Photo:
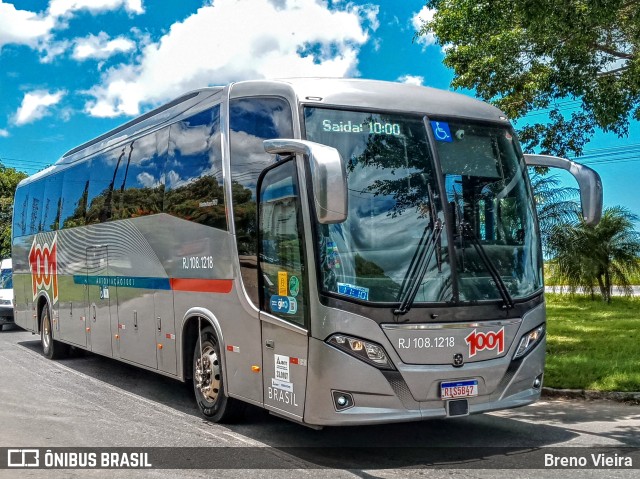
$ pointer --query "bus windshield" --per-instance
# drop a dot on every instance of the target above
(397, 209)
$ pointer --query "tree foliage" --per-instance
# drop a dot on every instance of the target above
(597, 257)
(9, 179)
(525, 55)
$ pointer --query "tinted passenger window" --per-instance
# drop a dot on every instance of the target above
(20, 211)
(144, 176)
(34, 210)
(75, 189)
(195, 189)
(99, 195)
(252, 120)
(51, 203)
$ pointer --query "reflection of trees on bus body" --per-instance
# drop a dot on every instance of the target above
(176, 170)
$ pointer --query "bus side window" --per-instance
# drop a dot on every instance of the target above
(252, 120)
(20, 211)
(34, 211)
(195, 187)
(143, 180)
(98, 196)
(281, 244)
(75, 189)
(51, 203)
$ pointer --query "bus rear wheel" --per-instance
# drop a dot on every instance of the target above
(208, 381)
(51, 348)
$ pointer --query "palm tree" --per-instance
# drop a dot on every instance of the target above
(555, 204)
(604, 255)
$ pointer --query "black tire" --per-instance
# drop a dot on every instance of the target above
(208, 382)
(51, 348)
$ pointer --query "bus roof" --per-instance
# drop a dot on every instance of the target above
(358, 93)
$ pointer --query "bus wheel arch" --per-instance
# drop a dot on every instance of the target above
(193, 318)
(51, 348)
(204, 369)
(42, 302)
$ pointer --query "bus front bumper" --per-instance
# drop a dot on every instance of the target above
(412, 392)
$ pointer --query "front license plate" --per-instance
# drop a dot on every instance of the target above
(459, 389)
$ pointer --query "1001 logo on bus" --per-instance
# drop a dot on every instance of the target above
(479, 341)
(43, 264)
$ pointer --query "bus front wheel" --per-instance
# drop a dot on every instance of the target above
(208, 381)
(51, 348)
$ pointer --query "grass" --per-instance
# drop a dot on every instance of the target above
(550, 280)
(593, 345)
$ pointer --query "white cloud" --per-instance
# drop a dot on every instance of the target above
(23, 27)
(412, 79)
(100, 47)
(61, 8)
(424, 15)
(147, 180)
(229, 40)
(50, 50)
(35, 105)
(4, 133)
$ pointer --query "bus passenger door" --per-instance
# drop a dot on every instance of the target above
(100, 292)
(284, 308)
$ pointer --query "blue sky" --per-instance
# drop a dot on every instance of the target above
(72, 69)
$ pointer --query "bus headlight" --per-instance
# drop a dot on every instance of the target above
(529, 340)
(367, 351)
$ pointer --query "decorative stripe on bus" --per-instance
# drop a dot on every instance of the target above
(202, 285)
(196, 285)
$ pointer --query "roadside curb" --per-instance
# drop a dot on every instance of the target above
(627, 397)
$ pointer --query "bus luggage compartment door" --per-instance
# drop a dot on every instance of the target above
(100, 292)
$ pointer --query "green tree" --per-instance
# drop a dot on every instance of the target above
(9, 179)
(525, 55)
(604, 255)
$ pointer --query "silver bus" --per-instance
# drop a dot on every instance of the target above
(335, 251)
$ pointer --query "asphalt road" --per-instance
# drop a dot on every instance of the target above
(91, 401)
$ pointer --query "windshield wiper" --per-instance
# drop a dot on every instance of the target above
(466, 229)
(418, 267)
(428, 245)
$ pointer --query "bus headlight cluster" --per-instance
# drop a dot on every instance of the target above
(529, 340)
(367, 351)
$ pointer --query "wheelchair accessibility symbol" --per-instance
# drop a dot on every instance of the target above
(441, 131)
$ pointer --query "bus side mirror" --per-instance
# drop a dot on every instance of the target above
(588, 180)
(328, 176)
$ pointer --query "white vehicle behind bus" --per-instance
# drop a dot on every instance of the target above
(6, 293)
(336, 251)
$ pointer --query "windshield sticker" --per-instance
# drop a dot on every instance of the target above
(333, 258)
(441, 131)
(354, 291)
(294, 286)
(283, 283)
(284, 304)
